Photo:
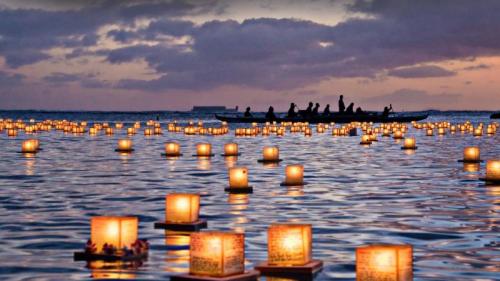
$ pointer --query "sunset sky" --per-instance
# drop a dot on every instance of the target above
(170, 55)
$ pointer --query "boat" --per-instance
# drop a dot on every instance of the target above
(495, 115)
(336, 118)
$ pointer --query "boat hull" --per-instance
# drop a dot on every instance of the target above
(495, 115)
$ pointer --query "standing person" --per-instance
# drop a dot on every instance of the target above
(291, 111)
(326, 111)
(341, 104)
(270, 114)
(247, 112)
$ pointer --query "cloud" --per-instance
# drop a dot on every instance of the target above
(58, 77)
(424, 71)
(477, 67)
(11, 80)
(413, 99)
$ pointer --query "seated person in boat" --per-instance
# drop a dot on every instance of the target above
(247, 112)
(326, 111)
(387, 110)
(315, 111)
(270, 114)
(341, 104)
(350, 109)
(359, 110)
(291, 111)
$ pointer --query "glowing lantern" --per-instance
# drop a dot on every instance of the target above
(130, 131)
(441, 131)
(124, 145)
(384, 263)
(172, 149)
(109, 131)
(148, 132)
(11, 132)
(231, 149)
(119, 232)
(294, 175)
(238, 177)
(217, 254)
(365, 139)
(271, 153)
(493, 170)
(289, 244)
(471, 154)
(182, 208)
(398, 135)
(478, 132)
(386, 133)
(429, 132)
(29, 146)
(409, 143)
(204, 149)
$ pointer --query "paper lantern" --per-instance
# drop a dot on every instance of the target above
(410, 143)
(217, 254)
(130, 131)
(238, 177)
(204, 149)
(148, 132)
(471, 154)
(398, 135)
(384, 263)
(493, 170)
(109, 131)
(441, 131)
(172, 149)
(294, 175)
(429, 132)
(289, 244)
(182, 208)
(231, 149)
(29, 146)
(271, 153)
(478, 132)
(114, 231)
(365, 139)
(11, 132)
(124, 145)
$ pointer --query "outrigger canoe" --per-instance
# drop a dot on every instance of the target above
(337, 118)
(495, 115)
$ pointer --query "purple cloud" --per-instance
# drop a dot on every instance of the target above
(424, 71)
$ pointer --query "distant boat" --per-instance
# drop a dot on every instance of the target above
(495, 115)
(337, 118)
(213, 109)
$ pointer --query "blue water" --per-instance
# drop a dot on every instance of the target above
(355, 195)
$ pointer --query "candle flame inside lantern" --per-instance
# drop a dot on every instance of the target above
(172, 149)
(271, 153)
(182, 208)
(238, 177)
(289, 244)
(384, 262)
(204, 149)
(493, 170)
(294, 175)
(231, 149)
(125, 144)
(471, 154)
(116, 231)
(217, 254)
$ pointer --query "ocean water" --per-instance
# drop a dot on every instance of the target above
(355, 195)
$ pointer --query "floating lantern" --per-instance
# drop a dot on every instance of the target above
(11, 132)
(125, 145)
(493, 171)
(29, 146)
(182, 213)
(478, 132)
(217, 254)
(384, 263)
(238, 180)
(471, 154)
(365, 139)
(204, 150)
(270, 154)
(398, 135)
(148, 132)
(130, 131)
(231, 149)
(172, 149)
(441, 131)
(109, 131)
(409, 143)
(386, 133)
(290, 251)
(429, 132)
(294, 175)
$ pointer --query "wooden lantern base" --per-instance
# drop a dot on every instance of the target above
(490, 182)
(23, 152)
(231, 155)
(203, 156)
(409, 148)
(171, 155)
(251, 275)
(269, 161)
(124, 150)
(308, 270)
(365, 143)
(195, 226)
(287, 184)
(239, 190)
(83, 256)
(470, 161)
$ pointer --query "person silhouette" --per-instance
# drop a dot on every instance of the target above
(247, 112)
(315, 110)
(326, 111)
(350, 108)
(291, 111)
(270, 113)
(341, 104)
(309, 109)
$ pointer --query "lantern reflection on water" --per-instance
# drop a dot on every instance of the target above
(384, 263)
(217, 254)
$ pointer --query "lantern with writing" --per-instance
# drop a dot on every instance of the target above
(172, 149)
(231, 149)
(117, 232)
(471, 154)
(384, 263)
(409, 143)
(204, 150)
(124, 145)
(294, 175)
(289, 244)
(217, 254)
(493, 171)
